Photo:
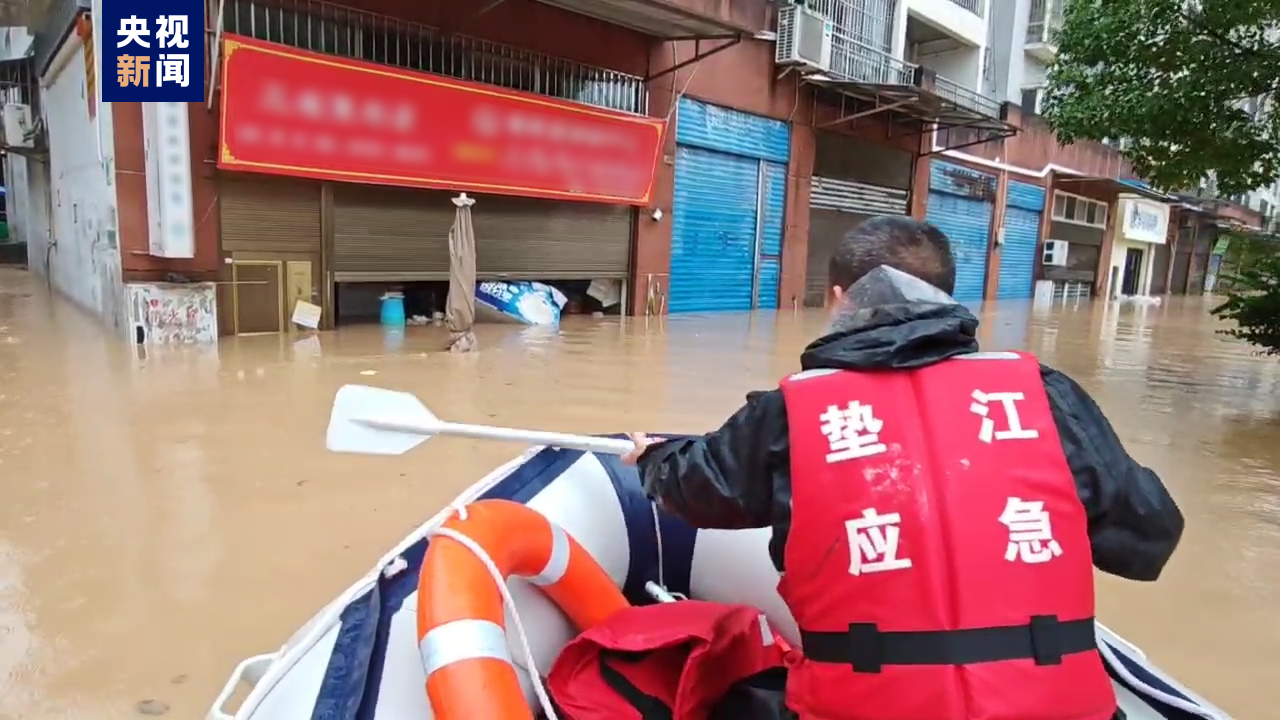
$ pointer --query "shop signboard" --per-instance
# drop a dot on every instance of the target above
(293, 112)
(1144, 221)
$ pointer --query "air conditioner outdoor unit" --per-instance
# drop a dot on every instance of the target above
(18, 130)
(804, 39)
(1055, 253)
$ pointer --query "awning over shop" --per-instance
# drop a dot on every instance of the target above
(919, 94)
(657, 18)
(1094, 186)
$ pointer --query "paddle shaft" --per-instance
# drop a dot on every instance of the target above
(608, 446)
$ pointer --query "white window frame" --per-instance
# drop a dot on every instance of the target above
(1039, 90)
(1047, 255)
(1082, 203)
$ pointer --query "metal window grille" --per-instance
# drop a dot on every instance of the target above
(336, 30)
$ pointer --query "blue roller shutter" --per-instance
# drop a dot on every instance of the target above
(960, 206)
(713, 231)
(727, 214)
(1024, 204)
(773, 205)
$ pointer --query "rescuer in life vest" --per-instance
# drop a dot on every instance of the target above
(936, 511)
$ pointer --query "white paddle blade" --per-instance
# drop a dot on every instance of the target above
(376, 421)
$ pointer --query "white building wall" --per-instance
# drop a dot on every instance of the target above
(27, 202)
(15, 42)
(84, 260)
(963, 65)
(950, 17)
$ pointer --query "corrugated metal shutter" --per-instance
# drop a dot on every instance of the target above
(395, 233)
(960, 206)
(1200, 260)
(1182, 260)
(390, 233)
(727, 218)
(1160, 270)
(851, 196)
(712, 127)
(826, 228)
(535, 239)
(773, 205)
(713, 231)
(1023, 207)
(268, 215)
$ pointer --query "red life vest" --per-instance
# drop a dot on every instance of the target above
(671, 661)
(938, 565)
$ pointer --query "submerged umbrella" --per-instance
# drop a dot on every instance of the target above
(460, 313)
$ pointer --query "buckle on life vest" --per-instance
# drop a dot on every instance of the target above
(1045, 639)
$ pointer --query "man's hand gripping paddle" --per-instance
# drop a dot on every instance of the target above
(376, 421)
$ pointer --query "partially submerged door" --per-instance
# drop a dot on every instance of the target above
(1132, 271)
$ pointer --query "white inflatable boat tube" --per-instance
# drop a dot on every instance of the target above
(358, 658)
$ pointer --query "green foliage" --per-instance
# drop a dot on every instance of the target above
(1253, 300)
(1169, 76)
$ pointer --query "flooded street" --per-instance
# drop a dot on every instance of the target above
(164, 516)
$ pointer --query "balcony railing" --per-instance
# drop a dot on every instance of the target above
(336, 30)
(851, 60)
(860, 43)
(973, 6)
(964, 97)
(1045, 18)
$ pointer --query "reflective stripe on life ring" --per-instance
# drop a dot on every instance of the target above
(461, 634)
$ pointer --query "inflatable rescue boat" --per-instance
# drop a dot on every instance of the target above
(359, 658)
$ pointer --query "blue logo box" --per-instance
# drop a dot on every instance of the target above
(152, 51)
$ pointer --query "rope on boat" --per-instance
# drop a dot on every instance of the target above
(507, 600)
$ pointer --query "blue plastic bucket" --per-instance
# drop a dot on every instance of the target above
(393, 309)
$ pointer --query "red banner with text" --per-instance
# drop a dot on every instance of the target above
(293, 112)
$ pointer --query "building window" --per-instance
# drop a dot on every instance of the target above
(1079, 210)
(1032, 100)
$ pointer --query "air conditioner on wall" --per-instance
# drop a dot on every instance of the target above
(18, 130)
(1055, 253)
(804, 39)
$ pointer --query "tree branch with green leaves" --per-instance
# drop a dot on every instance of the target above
(1169, 77)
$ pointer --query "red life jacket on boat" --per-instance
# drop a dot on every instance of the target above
(938, 564)
(671, 661)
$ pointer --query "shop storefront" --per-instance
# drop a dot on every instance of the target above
(1020, 233)
(727, 212)
(1073, 248)
(1142, 228)
(961, 205)
(336, 178)
(852, 180)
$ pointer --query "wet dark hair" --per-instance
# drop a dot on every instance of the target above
(914, 247)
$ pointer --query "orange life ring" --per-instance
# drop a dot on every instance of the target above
(461, 634)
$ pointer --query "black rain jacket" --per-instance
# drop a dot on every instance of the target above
(740, 475)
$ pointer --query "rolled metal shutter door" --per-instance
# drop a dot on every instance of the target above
(395, 233)
(383, 233)
(269, 216)
(836, 207)
(526, 238)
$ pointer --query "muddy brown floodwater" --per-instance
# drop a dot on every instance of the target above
(163, 516)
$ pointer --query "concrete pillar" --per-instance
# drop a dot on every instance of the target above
(997, 226)
(1171, 241)
(795, 238)
(651, 256)
(920, 178)
(1046, 220)
(1102, 277)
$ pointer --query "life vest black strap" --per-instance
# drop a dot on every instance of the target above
(649, 707)
(864, 646)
